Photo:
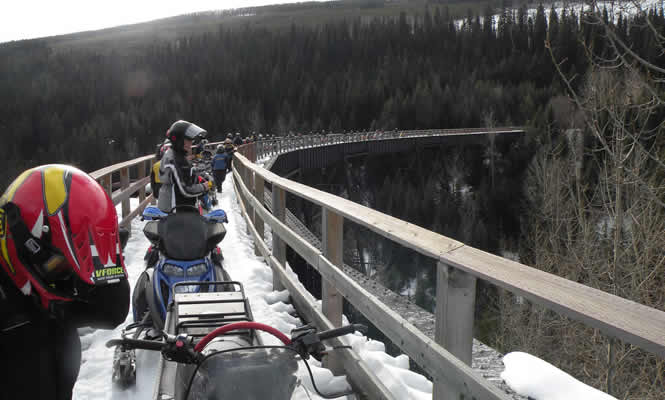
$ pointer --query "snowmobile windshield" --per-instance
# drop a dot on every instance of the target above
(244, 374)
(188, 236)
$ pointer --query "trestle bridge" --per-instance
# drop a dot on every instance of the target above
(441, 348)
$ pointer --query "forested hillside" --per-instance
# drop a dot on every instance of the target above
(93, 106)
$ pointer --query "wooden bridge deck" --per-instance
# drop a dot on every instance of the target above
(486, 361)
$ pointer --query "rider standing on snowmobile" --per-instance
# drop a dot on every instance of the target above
(220, 164)
(61, 268)
(179, 182)
(155, 182)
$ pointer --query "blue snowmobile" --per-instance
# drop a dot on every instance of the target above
(183, 249)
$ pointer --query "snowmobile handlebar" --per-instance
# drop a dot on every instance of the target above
(344, 330)
(136, 344)
(305, 340)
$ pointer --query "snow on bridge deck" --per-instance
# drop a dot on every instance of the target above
(268, 306)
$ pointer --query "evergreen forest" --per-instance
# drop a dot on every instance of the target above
(96, 107)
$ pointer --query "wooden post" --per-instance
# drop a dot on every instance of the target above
(333, 249)
(249, 182)
(455, 303)
(141, 175)
(238, 167)
(258, 222)
(278, 245)
(106, 184)
(124, 184)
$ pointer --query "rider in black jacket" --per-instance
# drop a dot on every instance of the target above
(180, 184)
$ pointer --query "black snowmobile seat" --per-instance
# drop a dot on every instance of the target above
(189, 236)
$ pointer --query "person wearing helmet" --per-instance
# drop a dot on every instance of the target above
(61, 268)
(202, 146)
(237, 141)
(220, 164)
(179, 182)
(155, 182)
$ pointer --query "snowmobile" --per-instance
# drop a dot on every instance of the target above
(210, 349)
(183, 248)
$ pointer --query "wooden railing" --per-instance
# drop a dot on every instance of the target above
(448, 358)
(122, 173)
(264, 148)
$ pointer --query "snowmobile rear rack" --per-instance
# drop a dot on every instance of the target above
(197, 314)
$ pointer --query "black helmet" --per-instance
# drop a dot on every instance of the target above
(181, 130)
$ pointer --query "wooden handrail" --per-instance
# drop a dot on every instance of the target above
(100, 173)
(438, 362)
(105, 178)
(626, 320)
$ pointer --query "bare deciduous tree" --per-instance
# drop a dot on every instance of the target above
(604, 224)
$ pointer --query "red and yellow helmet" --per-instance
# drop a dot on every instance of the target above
(59, 234)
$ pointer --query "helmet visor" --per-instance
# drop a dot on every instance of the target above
(194, 131)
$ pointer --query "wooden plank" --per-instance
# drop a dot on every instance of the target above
(124, 194)
(434, 359)
(127, 221)
(248, 181)
(116, 167)
(332, 226)
(124, 184)
(258, 194)
(623, 319)
(141, 174)
(455, 307)
(278, 245)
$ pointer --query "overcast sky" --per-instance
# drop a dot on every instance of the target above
(27, 19)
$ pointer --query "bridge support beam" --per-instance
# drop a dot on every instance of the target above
(278, 245)
(332, 301)
(258, 222)
(455, 304)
